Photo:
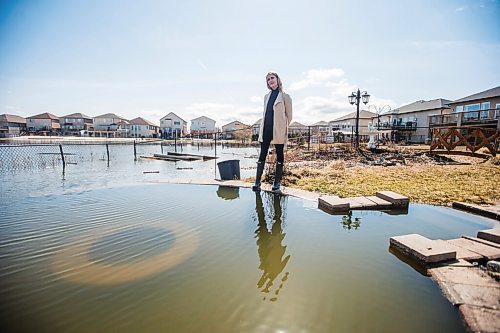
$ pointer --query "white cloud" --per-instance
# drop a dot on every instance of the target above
(256, 99)
(315, 77)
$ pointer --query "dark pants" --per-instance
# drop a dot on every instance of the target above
(264, 148)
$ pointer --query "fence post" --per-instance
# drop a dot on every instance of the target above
(62, 156)
(135, 150)
(107, 151)
(175, 142)
(161, 145)
(308, 137)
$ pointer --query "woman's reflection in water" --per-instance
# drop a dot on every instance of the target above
(269, 246)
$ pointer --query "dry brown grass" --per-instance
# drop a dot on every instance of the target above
(433, 184)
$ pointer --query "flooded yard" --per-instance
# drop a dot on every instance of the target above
(103, 248)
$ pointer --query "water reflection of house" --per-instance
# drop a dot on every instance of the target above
(142, 128)
(44, 123)
(202, 127)
(11, 125)
(110, 125)
(345, 126)
(478, 110)
(410, 123)
(75, 123)
(235, 129)
(172, 126)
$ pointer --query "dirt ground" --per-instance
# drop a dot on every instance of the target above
(411, 171)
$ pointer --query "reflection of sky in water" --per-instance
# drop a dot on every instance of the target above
(263, 262)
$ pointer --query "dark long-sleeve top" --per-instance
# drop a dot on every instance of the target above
(269, 117)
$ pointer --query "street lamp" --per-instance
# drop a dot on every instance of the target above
(354, 98)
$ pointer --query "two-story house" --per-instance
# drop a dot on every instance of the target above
(410, 123)
(75, 124)
(110, 125)
(173, 126)
(142, 128)
(345, 126)
(202, 127)
(44, 122)
(235, 129)
(11, 125)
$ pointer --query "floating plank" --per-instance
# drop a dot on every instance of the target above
(492, 235)
(178, 158)
(395, 198)
(425, 250)
(484, 251)
(171, 159)
(200, 157)
(381, 203)
(333, 204)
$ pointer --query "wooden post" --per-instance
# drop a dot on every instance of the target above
(62, 157)
(135, 151)
(107, 151)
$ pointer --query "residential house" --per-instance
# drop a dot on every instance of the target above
(202, 127)
(173, 126)
(322, 131)
(142, 128)
(76, 124)
(345, 127)
(297, 129)
(11, 125)
(44, 122)
(410, 123)
(256, 129)
(110, 125)
(480, 109)
(235, 129)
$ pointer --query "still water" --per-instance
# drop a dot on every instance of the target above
(134, 257)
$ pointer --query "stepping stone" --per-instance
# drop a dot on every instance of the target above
(333, 204)
(361, 203)
(484, 251)
(381, 203)
(483, 241)
(424, 249)
(462, 252)
(395, 198)
(492, 235)
(479, 319)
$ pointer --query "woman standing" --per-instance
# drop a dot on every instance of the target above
(274, 128)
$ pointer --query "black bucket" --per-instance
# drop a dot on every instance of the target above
(229, 170)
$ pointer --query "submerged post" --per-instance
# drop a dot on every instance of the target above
(135, 151)
(62, 157)
(107, 151)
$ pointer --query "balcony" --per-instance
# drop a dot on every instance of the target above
(479, 117)
(398, 126)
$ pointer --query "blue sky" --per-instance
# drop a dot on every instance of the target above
(194, 58)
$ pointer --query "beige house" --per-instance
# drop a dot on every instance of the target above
(256, 129)
(235, 129)
(142, 128)
(110, 125)
(297, 129)
(481, 109)
(202, 127)
(346, 125)
(172, 126)
(44, 122)
(410, 123)
(11, 125)
(76, 124)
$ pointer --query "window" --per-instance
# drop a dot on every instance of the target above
(497, 110)
(472, 107)
(177, 122)
(459, 108)
(485, 110)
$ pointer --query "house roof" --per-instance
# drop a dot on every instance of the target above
(352, 115)
(77, 115)
(296, 124)
(320, 123)
(421, 105)
(236, 122)
(174, 115)
(109, 115)
(202, 118)
(257, 122)
(11, 118)
(493, 92)
(44, 115)
(141, 121)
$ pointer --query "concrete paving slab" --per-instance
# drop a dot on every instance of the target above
(491, 211)
(425, 250)
(479, 319)
(485, 251)
(381, 203)
(395, 198)
(333, 204)
(303, 194)
(462, 275)
(483, 241)
(463, 253)
(492, 235)
(458, 294)
(361, 203)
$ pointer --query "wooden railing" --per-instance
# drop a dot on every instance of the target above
(473, 138)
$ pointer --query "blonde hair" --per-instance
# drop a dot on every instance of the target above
(280, 85)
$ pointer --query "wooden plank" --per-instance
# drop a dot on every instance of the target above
(333, 204)
(425, 250)
(492, 235)
(484, 251)
(395, 198)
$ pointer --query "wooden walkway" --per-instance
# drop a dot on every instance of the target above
(476, 292)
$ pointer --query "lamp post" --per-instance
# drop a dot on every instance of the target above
(354, 98)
